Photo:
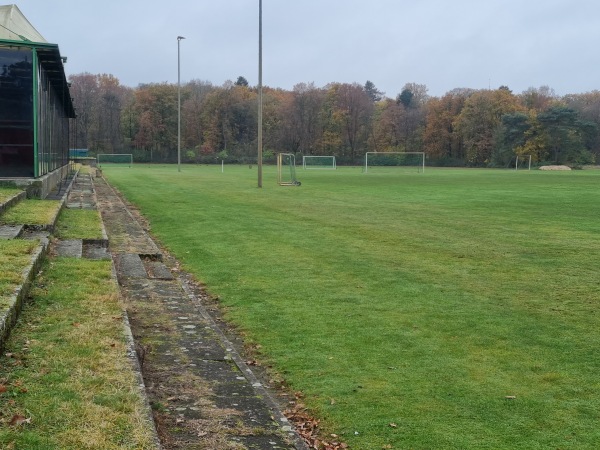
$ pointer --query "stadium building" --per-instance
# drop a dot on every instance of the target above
(35, 107)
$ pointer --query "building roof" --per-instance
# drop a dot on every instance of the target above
(14, 26)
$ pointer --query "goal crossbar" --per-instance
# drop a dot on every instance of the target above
(420, 154)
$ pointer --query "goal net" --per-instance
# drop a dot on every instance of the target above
(391, 161)
(115, 159)
(523, 162)
(318, 162)
(286, 170)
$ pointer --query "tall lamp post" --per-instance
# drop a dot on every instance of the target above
(179, 38)
(260, 95)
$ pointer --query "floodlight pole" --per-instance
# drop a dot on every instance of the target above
(260, 95)
(179, 38)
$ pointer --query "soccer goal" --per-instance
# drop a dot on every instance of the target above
(412, 161)
(286, 170)
(318, 162)
(115, 159)
(523, 162)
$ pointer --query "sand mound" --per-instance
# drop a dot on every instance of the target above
(555, 168)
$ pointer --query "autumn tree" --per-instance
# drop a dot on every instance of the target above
(194, 94)
(85, 92)
(352, 111)
(413, 99)
(538, 99)
(229, 120)
(99, 101)
(113, 98)
(275, 103)
(387, 133)
(441, 140)
(479, 121)
(301, 119)
(520, 134)
(155, 109)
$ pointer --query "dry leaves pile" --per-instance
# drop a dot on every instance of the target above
(308, 427)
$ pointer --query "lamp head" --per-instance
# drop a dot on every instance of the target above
(180, 38)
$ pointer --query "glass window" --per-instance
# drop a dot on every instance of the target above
(16, 114)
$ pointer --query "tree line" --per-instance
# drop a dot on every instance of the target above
(464, 127)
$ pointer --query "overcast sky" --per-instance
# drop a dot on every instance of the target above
(440, 43)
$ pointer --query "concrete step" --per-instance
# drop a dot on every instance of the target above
(71, 248)
(12, 201)
(10, 312)
(130, 265)
(91, 251)
(10, 231)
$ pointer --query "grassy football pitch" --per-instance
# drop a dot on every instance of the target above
(449, 309)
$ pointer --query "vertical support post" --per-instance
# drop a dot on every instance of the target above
(179, 38)
(260, 96)
(35, 113)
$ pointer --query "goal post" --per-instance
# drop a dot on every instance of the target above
(523, 162)
(319, 162)
(286, 170)
(415, 160)
(115, 159)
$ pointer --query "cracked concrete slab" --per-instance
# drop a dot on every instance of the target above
(156, 269)
(72, 248)
(98, 252)
(129, 265)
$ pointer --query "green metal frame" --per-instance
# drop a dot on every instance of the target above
(35, 112)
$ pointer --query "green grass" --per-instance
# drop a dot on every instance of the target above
(15, 257)
(424, 301)
(31, 212)
(65, 370)
(7, 193)
(79, 224)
